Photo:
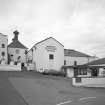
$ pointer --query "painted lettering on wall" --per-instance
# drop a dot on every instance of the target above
(51, 48)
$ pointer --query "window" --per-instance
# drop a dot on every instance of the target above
(82, 72)
(17, 51)
(51, 56)
(64, 62)
(3, 53)
(3, 45)
(75, 63)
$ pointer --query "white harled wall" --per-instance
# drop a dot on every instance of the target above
(41, 55)
(12, 51)
(3, 40)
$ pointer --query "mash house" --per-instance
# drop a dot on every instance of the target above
(47, 54)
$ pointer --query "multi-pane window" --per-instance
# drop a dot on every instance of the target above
(51, 56)
(3, 45)
(82, 72)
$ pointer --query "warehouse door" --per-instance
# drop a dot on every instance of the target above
(51, 62)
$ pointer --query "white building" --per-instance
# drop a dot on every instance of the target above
(47, 54)
(71, 57)
(3, 47)
(16, 50)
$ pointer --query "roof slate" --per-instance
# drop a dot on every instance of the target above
(73, 53)
(97, 62)
(17, 44)
(49, 38)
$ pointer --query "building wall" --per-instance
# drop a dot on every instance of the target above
(3, 40)
(41, 55)
(30, 55)
(13, 51)
(90, 82)
(80, 60)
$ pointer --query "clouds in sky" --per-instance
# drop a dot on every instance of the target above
(78, 24)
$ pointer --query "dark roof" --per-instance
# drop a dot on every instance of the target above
(97, 62)
(73, 53)
(49, 38)
(17, 44)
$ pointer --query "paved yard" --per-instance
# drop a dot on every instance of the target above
(28, 88)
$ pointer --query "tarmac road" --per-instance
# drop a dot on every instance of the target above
(25, 88)
(55, 91)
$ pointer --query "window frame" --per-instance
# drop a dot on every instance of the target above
(3, 45)
(51, 56)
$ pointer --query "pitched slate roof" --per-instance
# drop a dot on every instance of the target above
(47, 39)
(17, 44)
(97, 62)
(73, 53)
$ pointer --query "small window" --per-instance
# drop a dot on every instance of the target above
(3, 53)
(17, 51)
(3, 45)
(75, 63)
(64, 62)
(51, 56)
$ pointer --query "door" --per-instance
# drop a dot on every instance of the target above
(51, 62)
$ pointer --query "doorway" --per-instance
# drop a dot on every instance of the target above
(51, 62)
(95, 72)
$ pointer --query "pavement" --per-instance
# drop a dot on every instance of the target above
(29, 88)
(95, 85)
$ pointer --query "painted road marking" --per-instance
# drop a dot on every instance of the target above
(86, 98)
(81, 99)
(66, 102)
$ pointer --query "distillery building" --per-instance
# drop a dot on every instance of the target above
(16, 50)
(47, 54)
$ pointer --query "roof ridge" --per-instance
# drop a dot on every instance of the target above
(75, 53)
(47, 39)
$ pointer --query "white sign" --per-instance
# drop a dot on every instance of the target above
(51, 48)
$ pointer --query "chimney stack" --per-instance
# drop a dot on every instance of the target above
(16, 33)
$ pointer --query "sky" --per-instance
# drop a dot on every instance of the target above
(77, 24)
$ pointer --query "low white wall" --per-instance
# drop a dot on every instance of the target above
(10, 68)
(70, 72)
(89, 81)
(31, 67)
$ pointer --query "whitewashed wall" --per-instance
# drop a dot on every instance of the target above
(3, 40)
(41, 55)
(70, 72)
(12, 51)
(80, 60)
(92, 82)
(10, 67)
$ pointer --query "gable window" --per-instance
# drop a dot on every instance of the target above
(3, 45)
(51, 56)
(3, 54)
(17, 51)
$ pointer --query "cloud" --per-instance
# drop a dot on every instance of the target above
(78, 24)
